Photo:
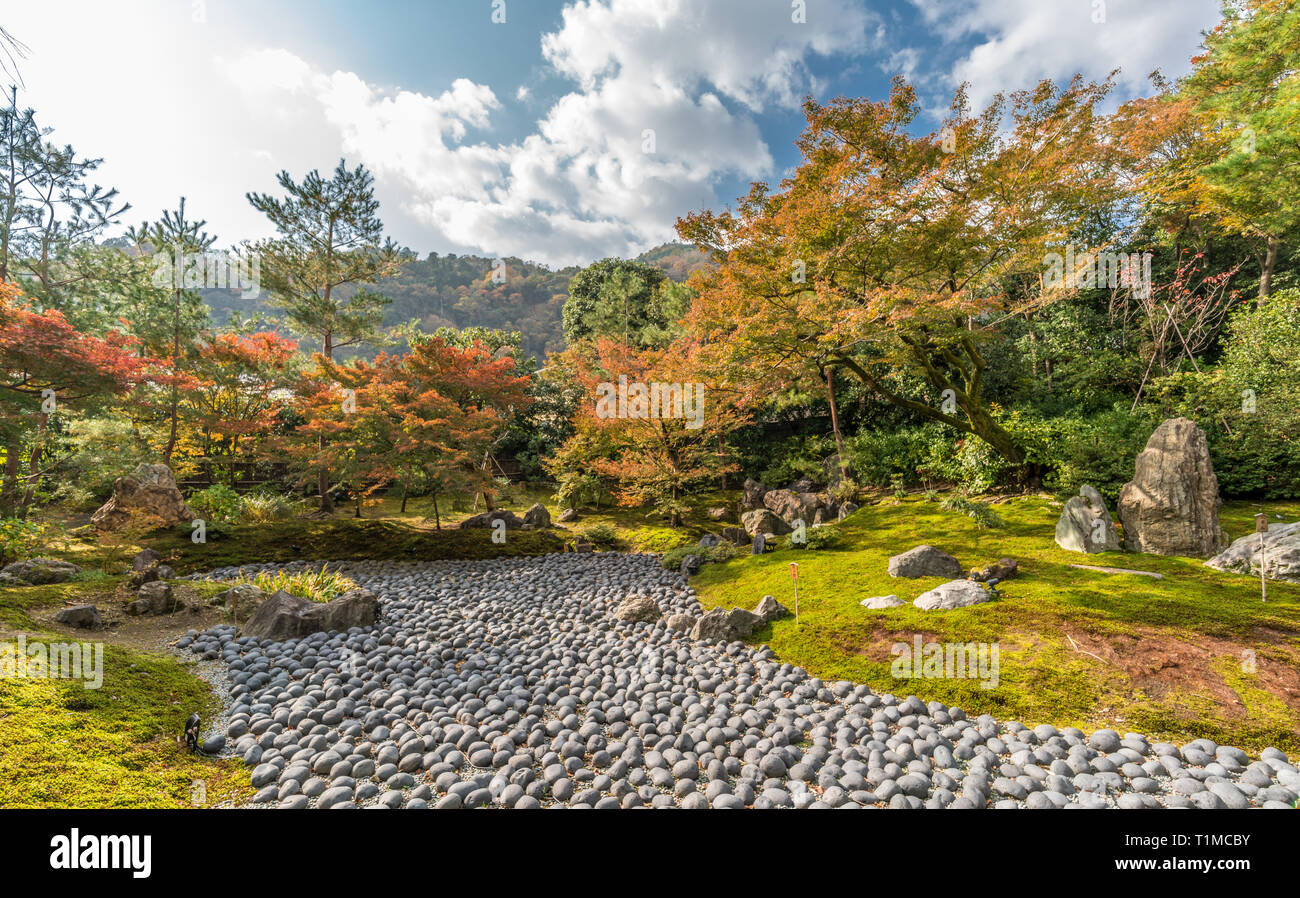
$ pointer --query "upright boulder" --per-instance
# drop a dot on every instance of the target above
(1085, 524)
(754, 494)
(1280, 554)
(149, 493)
(538, 517)
(1171, 506)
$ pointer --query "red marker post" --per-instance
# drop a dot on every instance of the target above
(794, 575)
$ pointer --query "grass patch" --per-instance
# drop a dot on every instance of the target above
(1044, 678)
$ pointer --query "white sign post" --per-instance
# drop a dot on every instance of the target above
(794, 575)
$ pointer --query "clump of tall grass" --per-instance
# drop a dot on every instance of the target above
(315, 586)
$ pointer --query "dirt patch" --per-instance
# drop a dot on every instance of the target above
(1160, 664)
(149, 633)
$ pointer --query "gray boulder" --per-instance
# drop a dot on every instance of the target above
(38, 572)
(1085, 524)
(879, 603)
(753, 494)
(924, 561)
(568, 515)
(742, 622)
(953, 594)
(1171, 506)
(759, 546)
(763, 520)
(709, 540)
(635, 609)
(284, 616)
(713, 625)
(538, 517)
(155, 597)
(83, 617)
(486, 519)
(691, 565)
(769, 609)
(792, 506)
(149, 495)
(735, 535)
(1281, 554)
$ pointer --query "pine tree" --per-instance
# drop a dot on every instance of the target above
(330, 245)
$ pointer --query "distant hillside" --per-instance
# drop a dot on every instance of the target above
(459, 291)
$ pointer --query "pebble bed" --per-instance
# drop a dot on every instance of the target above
(509, 683)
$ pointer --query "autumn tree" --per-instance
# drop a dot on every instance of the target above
(46, 366)
(329, 246)
(887, 252)
(646, 424)
(422, 420)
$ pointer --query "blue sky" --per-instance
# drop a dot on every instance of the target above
(573, 130)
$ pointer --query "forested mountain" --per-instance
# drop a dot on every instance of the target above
(475, 291)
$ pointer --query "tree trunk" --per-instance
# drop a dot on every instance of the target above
(403, 498)
(835, 420)
(437, 519)
(323, 476)
(13, 464)
(175, 398)
(1266, 268)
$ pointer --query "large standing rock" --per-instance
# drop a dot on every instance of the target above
(1281, 554)
(538, 516)
(761, 520)
(286, 616)
(148, 493)
(953, 594)
(754, 494)
(37, 572)
(924, 561)
(1171, 506)
(513, 521)
(1085, 524)
(769, 609)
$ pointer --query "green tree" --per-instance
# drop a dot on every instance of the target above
(625, 300)
(330, 245)
(176, 242)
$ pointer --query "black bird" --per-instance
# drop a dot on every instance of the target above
(192, 732)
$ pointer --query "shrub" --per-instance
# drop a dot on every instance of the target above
(216, 503)
(315, 586)
(796, 457)
(600, 533)
(980, 512)
(824, 537)
(261, 507)
(19, 539)
(672, 559)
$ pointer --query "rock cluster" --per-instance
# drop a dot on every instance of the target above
(511, 684)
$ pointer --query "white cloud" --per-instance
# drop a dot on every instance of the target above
(1020, 42)
(646, 135)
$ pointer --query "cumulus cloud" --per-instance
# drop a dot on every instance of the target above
(663, 106)
(1017, 43)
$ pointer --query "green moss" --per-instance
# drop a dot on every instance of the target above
(1044, 678)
